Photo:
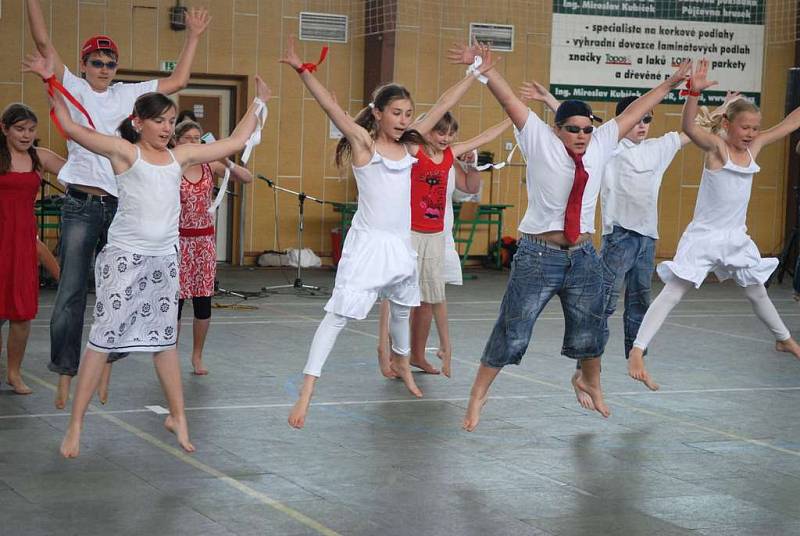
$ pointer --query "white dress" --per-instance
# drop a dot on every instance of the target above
(716, 239)
(377, 258)
(452, 261)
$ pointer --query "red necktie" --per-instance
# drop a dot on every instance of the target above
(572, 216)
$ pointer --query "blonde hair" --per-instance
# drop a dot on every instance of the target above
(712, 120)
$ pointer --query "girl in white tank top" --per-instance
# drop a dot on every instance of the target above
(137, 272)
(716, 240)
(377, 258)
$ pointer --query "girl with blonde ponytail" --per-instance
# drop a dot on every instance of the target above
(716, 240)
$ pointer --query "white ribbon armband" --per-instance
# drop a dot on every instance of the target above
(474, 70)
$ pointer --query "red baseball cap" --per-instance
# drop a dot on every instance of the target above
(98, 42)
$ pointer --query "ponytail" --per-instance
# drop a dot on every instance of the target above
(381, 97)
(712, 120)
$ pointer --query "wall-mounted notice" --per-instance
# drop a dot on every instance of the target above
(603, 50)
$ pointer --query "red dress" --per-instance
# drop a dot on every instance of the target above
(198, 253)
(19, 266)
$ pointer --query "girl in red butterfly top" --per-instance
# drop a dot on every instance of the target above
(429, 183)
(20, 166)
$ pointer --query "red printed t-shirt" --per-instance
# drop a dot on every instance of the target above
(429, 192)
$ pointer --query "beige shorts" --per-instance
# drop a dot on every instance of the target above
(430, 265)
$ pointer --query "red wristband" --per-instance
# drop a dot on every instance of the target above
(695, 93)
(311, 67)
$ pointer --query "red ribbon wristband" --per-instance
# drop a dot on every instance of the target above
(311, 67)
(53, 85)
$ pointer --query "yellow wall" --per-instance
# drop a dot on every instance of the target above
(246, 37)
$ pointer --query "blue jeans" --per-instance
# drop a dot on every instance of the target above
(629, 258)
(538, 273)
(84, 231)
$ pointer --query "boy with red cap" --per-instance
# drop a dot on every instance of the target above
(555, 255)
(91, 200)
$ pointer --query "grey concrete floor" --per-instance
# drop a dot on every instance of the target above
(715, 452)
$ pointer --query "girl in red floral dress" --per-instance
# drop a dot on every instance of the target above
(198, 252)
(20, 165)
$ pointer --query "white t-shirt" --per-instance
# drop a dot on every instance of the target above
(551, 172)
(631, 180)
(107, 111)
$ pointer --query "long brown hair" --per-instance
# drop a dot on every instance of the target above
(14, 113)
(381, 98)
(147, 106)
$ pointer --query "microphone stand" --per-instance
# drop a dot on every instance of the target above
(301, 198)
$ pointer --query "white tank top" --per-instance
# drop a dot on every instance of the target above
(149, 208)
(723, 196)
(384, 194)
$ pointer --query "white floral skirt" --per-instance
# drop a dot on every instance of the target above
(137, 302)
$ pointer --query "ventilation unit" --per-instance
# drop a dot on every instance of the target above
(323, 27)
(501, 36)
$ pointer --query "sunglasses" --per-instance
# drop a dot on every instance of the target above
(98, 64)
(647, 119)
(574, 129)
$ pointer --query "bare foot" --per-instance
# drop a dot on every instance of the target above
(583, 397)
(789, 345)
(385, 363)
(18, 385)
(424, 366)
(62, 393)
(179, 427)
(105, 380)
(401, 367)
(474, 408)
(637, 371)
(71, 444)
(595, 392)
(446, 355)
(199, 369)
(297, 417)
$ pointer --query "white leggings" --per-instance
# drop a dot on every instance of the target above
(333, 324)
(675, 290)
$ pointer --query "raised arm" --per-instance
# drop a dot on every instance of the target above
(189, 154)
(481, 139)
(121, 153)
(238, 173)
(41, 37)
(512, 105)
(638, 108)
(537, 92)
(789, 124)
(197, 20)
(360, 140)
(51, 162)
(467, 180)
(701, 137)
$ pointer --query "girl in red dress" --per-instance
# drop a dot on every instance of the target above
(198, 253)
(20, 165)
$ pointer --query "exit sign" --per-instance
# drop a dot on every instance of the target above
(168, 65)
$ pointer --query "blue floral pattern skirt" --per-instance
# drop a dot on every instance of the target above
(137, 302)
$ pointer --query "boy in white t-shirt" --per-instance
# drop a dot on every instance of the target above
(555, 255)
(91, 202)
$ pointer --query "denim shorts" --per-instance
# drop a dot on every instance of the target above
(538, 273)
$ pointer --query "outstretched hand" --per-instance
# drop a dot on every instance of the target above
(699, 77)
(731, 96)
(197, 20)
(290, 56)
(37, 64)
(681, 75)
(262, 89)
(534, 91)
(461, 53)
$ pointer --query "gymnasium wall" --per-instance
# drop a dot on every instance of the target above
(246, 37)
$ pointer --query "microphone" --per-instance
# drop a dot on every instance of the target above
(263, 178)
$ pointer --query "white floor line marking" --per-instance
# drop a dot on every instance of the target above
(263, 498)
(162, 411)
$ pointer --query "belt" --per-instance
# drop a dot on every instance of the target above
(202, 231)
(553, 245)
(83, 196)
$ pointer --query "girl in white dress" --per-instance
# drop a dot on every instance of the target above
(716, 240)
(377, 258)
